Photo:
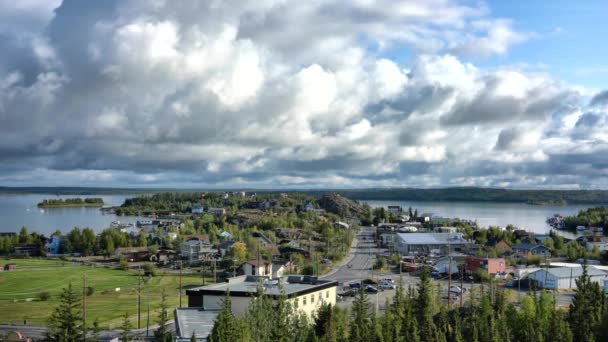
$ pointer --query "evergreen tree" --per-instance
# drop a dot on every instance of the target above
(360, 329)
(65, 323)
(587, 308)
(260, 317)
(95, 331)
(423, 308)
(559, 330)
(125, 328)
(226, 327)
(162, 334)
(193, 337)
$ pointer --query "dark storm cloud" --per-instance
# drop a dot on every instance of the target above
(600, 98)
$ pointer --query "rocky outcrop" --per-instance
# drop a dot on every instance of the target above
(340, 205)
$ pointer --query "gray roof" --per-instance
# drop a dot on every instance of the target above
(289, 285)
(432, 238)
(528, 246)
(197, 320)
(574, 272)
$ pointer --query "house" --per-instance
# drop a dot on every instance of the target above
(196, 322)
(502, 247)
(308, 207)
(425, 217)
(53, 246)
(428, 243)
(224, 235)
(29, 250)
(395, 209)
(598, 242)
(133, 253)
(523, 249)
(564, 277)
(198, 209)
(10, 267)
(164, 256)
(217, 211)
(196, 248)
(225, 247)
(267, 205)
(491, 265)
(443, 264)
(305, 293)
(263, 268)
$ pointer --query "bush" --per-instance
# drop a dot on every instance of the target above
(481, 276)
(150, 270)
(379, 264)
(123, 264)
(43, 296)
(89, 291)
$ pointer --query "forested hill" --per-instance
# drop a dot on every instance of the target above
(540, 197)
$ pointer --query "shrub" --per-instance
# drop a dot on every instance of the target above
(150, 270)
(123, 264)
(89, 291)
(43, 296)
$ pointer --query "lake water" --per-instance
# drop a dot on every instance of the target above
(529, 217)
(21, 210)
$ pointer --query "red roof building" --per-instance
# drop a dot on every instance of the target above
(490, 265)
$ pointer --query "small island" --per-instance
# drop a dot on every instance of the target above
(71, 202)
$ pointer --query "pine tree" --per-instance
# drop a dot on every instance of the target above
(423, 308)
(260, 317)
(227, 328)
(586, 308)
(193, 337)
(360, 323)
(559, 330)
(65, 324)
(125, 328)
(161, 334)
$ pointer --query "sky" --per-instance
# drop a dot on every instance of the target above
(304, 94)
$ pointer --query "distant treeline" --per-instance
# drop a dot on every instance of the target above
(71, 202)
(592, 217)
(466, 194)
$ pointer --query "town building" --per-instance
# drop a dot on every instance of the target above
(491, 265)
(523, 249)
(263, 268)
(305, 293)
(217, 211)
(560, 278)
(430, 243)
(133, 253)
(197, 209)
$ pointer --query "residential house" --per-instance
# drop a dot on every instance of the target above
(224, 235)
(259, 268)
(267, 205)
(502, 247)
(491, 265)
(217, 211)
(29, 250)
(196, 248)
(453, 262)
(308, 207)
(565, 277)
(53, 246)
(599, 242)
(198, 209)
(305, 293)
(523, 249)
(225, 247)
(425, 217)
(133, 253)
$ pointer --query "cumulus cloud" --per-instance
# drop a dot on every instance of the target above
(283, 93)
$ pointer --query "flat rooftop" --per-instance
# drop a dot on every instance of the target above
(432, 238)
(194, 320)
(292, 285)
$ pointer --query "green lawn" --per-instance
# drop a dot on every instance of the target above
(17, 288)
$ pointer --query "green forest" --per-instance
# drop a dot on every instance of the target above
(71, 202)
(592, 217)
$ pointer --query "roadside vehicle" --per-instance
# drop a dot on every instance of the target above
(387, 280)
(356, 285)
(387, 286)
(371, 289)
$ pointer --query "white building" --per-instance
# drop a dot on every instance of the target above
(428, 243)
(263, 268)
(195, 250)
(217, 211)
(198, 209)
(564, 277)
(305, 293)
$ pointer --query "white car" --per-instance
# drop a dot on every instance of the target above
(456, 289)
(387, 286)
(387, 280)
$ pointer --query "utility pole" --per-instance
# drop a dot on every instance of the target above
(139, 297)
(180, 284)
(84, 305)
(450, 274)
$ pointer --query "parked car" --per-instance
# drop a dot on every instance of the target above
(369, 282)
(387, 286)
(371, 289)
(326, 261)
(356, 285)
(456, 289)
(387, 280)
(349, 293)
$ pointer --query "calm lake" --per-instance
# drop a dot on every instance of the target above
(529, 217)
(20, 210)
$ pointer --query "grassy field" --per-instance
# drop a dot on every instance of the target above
(19, 291)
